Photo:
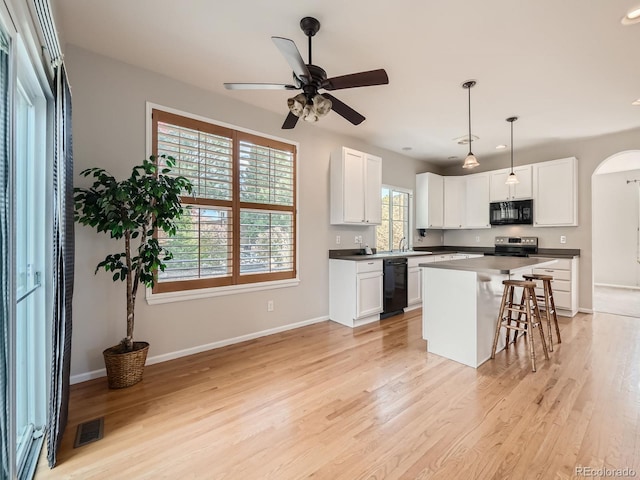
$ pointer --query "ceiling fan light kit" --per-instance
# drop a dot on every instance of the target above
(312, 105)
(512, 179)
(471, 161)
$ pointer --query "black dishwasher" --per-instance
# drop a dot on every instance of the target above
(395, 286)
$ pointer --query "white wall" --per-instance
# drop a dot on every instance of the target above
(109, 100)
(590, 153)
(615, 223)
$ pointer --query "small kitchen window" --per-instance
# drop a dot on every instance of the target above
(396, 218)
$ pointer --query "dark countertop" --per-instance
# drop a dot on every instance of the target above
(492, 264)
(356, 254)
(558, 252)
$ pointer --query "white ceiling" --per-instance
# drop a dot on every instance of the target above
(567, 68)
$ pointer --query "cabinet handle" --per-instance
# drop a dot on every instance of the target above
(370, 263)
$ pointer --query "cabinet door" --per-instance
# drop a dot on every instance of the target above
(477, 201)
(454, 202)
(368, 293)
(414, 285)
(524, 189)
(499, 191)
(429, 200)
(555, 190)
(373, 187)
(353, 186)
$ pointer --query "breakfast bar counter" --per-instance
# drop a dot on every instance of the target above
(460, 303)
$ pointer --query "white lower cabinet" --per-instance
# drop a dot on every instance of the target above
(368, 288)
(355, 291)
(414, 281)
(414, 286)
(564, 284)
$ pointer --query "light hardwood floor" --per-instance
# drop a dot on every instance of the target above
(328, 402)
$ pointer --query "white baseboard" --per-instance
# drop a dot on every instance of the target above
(83, 377)
(585, 310)
(611, 285)
(413, 307)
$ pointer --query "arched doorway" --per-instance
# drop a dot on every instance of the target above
(616, 234)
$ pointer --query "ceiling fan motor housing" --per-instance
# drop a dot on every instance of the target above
(311, 86)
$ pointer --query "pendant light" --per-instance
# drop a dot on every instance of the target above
(512, 179)
(471, 161)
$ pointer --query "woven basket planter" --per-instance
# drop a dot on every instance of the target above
(125, 368)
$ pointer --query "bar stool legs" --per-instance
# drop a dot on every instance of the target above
(528, 317)
(548, 305)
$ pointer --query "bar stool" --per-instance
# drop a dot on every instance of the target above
(547, 304)
(528, 316)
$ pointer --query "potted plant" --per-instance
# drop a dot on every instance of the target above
(132, 209)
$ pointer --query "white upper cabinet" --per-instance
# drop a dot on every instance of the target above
(501, 192)
(555, 193)
(477, 201)
(429, 200)
(455, 195)
(373, 189)
(356, 182)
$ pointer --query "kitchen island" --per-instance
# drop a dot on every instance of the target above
(460, 303)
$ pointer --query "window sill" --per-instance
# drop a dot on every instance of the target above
(170, 297)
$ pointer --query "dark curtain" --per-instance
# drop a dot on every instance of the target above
(64, 250)
(5, 259)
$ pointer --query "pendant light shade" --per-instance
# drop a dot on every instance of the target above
(512, 179)
(471, 161)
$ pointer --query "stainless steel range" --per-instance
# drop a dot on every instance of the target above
(516, 246)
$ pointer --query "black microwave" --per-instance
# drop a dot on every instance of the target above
(515, 212)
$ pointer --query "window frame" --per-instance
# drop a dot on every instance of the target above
(237, 282)
(409, 237)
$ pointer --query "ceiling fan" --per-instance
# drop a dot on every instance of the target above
(311, 105)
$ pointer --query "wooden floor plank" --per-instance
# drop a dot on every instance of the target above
(328, 402)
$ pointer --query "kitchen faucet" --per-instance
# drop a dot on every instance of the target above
(401, 244)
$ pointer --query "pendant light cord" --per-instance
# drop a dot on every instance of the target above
(511, 147)
(469, 89)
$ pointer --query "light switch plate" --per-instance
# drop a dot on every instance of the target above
(563, 239)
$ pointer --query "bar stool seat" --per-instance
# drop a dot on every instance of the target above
(547, 304)
(526, 319)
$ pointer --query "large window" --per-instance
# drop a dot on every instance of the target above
(240, 225)
(396, 212)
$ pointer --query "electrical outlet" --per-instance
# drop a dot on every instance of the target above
(270, 306)
(563, 239)
(477, 238)
(337, 239)
(357, 239)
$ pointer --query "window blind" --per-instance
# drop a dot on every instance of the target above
(239, 225)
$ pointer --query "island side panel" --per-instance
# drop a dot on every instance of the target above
(489, 296)
(449, 314)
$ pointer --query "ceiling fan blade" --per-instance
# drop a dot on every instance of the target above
(259, 86)
(344, 110)
(362, 79)
(292, 56)
(290, 121)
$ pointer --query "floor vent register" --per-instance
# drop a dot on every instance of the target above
(89, 432)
